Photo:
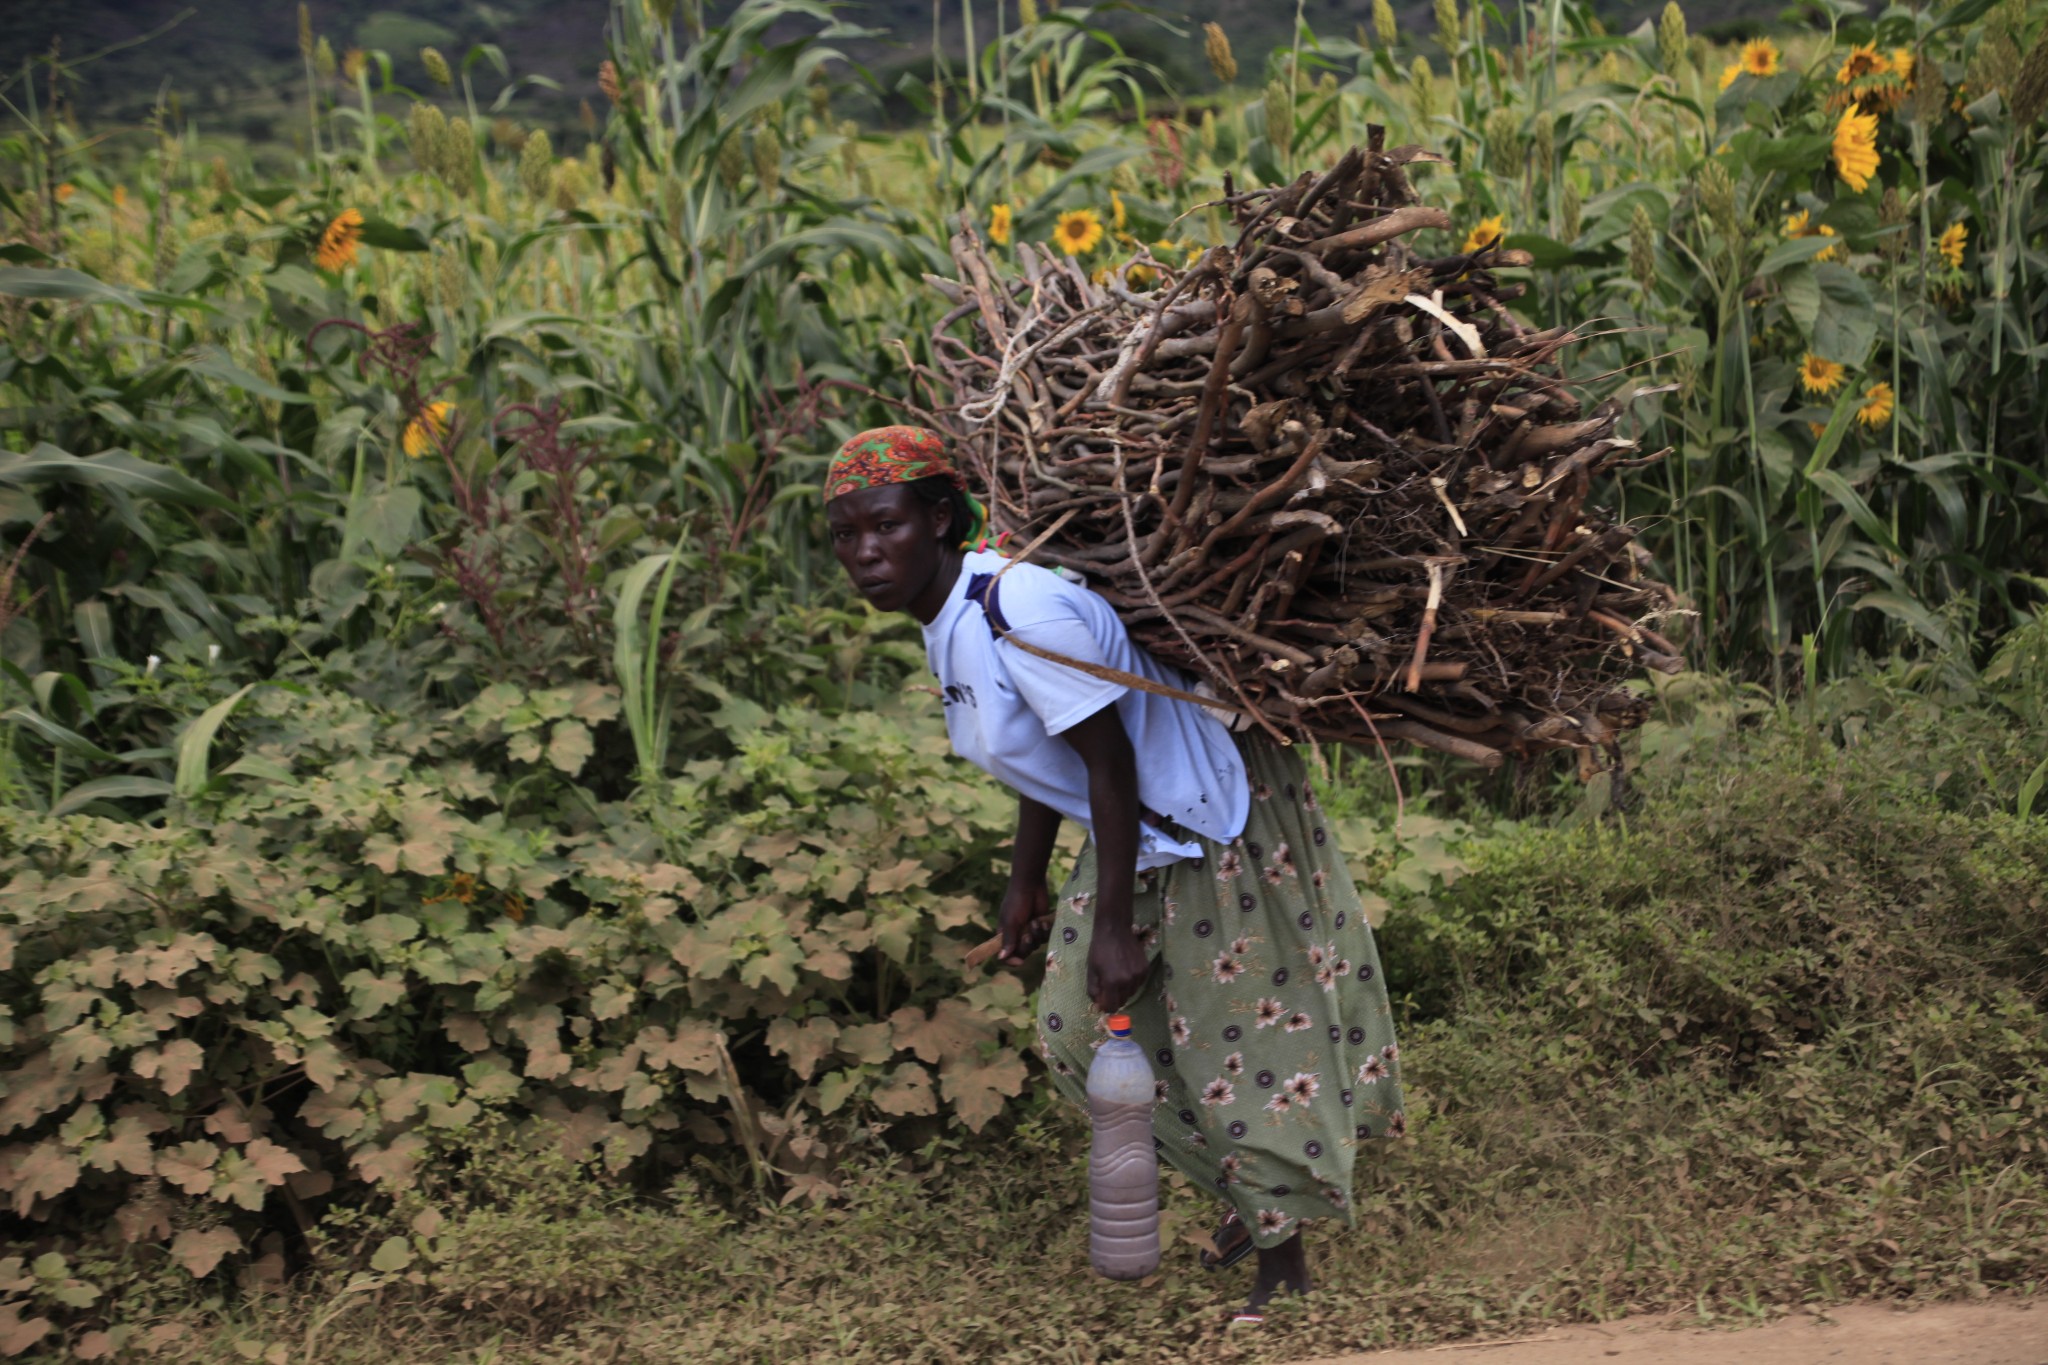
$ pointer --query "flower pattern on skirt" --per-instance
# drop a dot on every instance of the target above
(1273, 1049)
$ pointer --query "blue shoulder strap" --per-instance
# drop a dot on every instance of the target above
(981, 590)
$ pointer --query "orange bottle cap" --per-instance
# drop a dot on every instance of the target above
(1118, 1024)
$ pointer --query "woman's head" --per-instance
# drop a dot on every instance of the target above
(899, 511)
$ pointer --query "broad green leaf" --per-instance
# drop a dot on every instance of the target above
(1904, 609)
(390, 236)
(393, 1254)
(95, 627)
(907, 1091)
(2031, 789)
(1797, 251)
(115, 470)
(389, 520)
(1774, 452)
(215, 364)
(1551, 254)
(1966, 13)
(839, 1087)
(197, 742)
(1800, 293)
(1776, 151)
(570, 746)
(976, 1089)
(69, 286)
(199, 1250)
(1847, 326)
(70, 741)
(109, 789)
(255, 765)
(1831, 438)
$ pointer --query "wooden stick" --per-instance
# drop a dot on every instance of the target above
(1400, 221)
(1438, 572)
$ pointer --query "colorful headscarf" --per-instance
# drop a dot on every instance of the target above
(886, 455)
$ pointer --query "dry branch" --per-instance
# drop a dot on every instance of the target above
(1319, 470)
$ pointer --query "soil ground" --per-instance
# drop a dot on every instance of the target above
(1997, 1332)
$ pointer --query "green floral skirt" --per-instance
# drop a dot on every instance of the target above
(1266, 1014)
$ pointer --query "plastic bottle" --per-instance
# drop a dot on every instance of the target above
(1123, 1166)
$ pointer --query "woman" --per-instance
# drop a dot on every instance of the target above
(1210, 903)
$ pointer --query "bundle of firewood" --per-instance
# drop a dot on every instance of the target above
(1336, 479)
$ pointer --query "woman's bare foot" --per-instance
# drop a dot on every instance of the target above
(1284, 1267)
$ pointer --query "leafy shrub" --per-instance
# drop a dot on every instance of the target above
(385, 928)
(1850, 857)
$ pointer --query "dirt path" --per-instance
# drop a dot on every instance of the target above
(1999, 1332)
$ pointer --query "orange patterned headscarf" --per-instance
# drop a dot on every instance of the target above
(886, 455)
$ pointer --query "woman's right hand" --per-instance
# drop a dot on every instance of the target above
(1026, 920)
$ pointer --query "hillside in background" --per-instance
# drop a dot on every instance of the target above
(235, 64)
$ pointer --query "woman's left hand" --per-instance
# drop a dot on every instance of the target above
(1117, 966)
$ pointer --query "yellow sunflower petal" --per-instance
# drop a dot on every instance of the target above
(1954, 238)
(1488, 233)
(424, 433)
(339, 241)
(1818, 375)
(1855, 149)
(1077, 232)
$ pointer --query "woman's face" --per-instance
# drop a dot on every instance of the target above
(893, 546)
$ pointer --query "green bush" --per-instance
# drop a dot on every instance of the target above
(1852, 856)
(385, 928)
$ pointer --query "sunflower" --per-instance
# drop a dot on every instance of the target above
(1820, 376)
(427, 431)
(1855, 150)
(1871, 80)
(1118, 218)
(999, 225)
(1487, 234)
(1902, 66)
(1863, 60)
(1760, 57)
(338, 244)
(1078, 231)
(65, 191)
(1954, 238)
(1877, 405)
(1798, 225)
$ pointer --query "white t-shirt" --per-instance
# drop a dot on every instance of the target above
(1005, 708)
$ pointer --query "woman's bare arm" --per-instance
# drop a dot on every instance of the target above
(1117, 962)
(1026, 910)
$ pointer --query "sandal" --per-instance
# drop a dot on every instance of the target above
(1233, 1243)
